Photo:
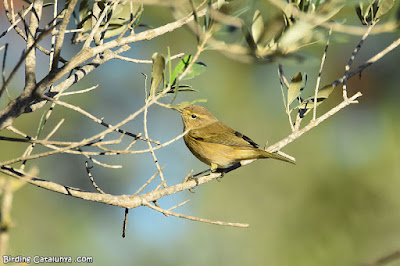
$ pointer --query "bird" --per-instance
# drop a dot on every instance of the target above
(218, 145)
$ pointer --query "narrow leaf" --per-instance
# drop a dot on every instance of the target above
(384, 7)
(325, 91)
(182, 105)
(157, 72)
(257, 28)
(294, 87)
(41, 124)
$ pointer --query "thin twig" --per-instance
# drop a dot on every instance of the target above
(187, 176)
(140, 61)
(353, 56)
(178, 205)
(53, 37)
(193, 218)
(54, 129)
(153, 154)
(92, 178)
(70, 146)
(125, 222)
(320, 74)
(95, 119)
(5, 218)
(148, 181)
(79, 92)
(283, 81)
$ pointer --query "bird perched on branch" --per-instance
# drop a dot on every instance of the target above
(218, 145)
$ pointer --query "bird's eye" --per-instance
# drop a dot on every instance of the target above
(193, 116)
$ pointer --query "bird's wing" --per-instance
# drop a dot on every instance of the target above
(222, 134)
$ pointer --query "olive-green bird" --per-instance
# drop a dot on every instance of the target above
(218, 145)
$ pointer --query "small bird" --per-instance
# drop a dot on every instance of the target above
(218, 145)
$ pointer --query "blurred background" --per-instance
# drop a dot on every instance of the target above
(339, 205)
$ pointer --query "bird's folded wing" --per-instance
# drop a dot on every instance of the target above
(221, 134)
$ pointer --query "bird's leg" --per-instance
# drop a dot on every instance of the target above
(214, 168)
(200, 173)
(229, 168)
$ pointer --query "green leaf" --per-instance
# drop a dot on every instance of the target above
(182, 105)
(196, 69)
(384, 7)
(294, 87)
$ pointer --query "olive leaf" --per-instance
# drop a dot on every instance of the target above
(321, 96)
(369, 14)
(325, 91)
(118, 17)
(180, 106)
(384, 7)
(157, 72)
(257, 28)
(294, 87)
(41, 124)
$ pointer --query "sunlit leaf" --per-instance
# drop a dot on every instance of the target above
(257, 28)
(384, 7)
(325, 91)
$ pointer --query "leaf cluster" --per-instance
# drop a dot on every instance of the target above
(304, 105)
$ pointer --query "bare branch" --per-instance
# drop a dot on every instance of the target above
(92, 178)
(372, 60)
(17, 107)
(95, 119)
(139, 61)
(353, 56)
(30, 60)
(319, 75)
(124, 201)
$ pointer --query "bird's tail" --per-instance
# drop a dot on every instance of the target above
(277, 156)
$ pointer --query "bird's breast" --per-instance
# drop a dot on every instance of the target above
(220, 154)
